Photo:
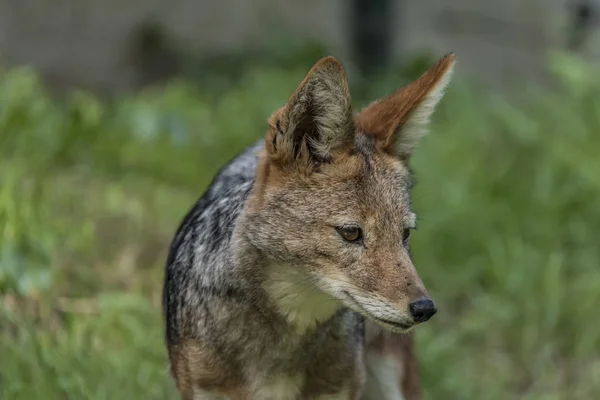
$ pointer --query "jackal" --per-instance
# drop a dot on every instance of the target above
(291, 277)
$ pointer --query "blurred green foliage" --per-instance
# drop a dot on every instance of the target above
(91, 192)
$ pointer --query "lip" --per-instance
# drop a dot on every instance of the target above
(385, 322)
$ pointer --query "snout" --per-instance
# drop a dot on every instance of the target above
(422, 309)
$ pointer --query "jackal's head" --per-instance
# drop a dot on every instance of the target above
(331, 207)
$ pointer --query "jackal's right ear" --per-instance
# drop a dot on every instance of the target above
(317, 120)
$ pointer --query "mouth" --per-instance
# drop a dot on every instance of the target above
(386, 323)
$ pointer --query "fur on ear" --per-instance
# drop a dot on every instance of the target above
(400, 120)
(317, 120)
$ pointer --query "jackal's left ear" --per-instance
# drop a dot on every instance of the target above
(317, 120)
(400, 120)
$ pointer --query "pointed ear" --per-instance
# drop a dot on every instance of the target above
(400, 120)
(317, 120)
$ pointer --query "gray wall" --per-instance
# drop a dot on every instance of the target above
(87, 42)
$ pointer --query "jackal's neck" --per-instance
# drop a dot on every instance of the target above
(296, 297)
(286, 290)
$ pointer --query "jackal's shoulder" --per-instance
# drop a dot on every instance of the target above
(210, 220)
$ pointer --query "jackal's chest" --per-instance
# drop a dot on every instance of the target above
(336, 382)
(291, 388)
(325, 367)
(339, 382)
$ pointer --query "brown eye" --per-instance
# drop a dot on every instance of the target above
(350, 233)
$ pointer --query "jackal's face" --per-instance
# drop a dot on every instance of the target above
(332, 194)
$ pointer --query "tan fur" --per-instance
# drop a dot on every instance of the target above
(193, 366)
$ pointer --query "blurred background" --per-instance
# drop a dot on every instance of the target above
(114, 116)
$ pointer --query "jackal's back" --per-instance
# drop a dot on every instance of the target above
(203, 240)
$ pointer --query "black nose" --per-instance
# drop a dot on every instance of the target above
(422, 309)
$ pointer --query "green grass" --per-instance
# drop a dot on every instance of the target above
(92, 191)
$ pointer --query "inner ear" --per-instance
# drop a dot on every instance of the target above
(400, 120)
(304, 139)
(306, 136)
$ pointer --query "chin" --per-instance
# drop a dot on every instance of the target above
(396, 326)
(392, 326)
